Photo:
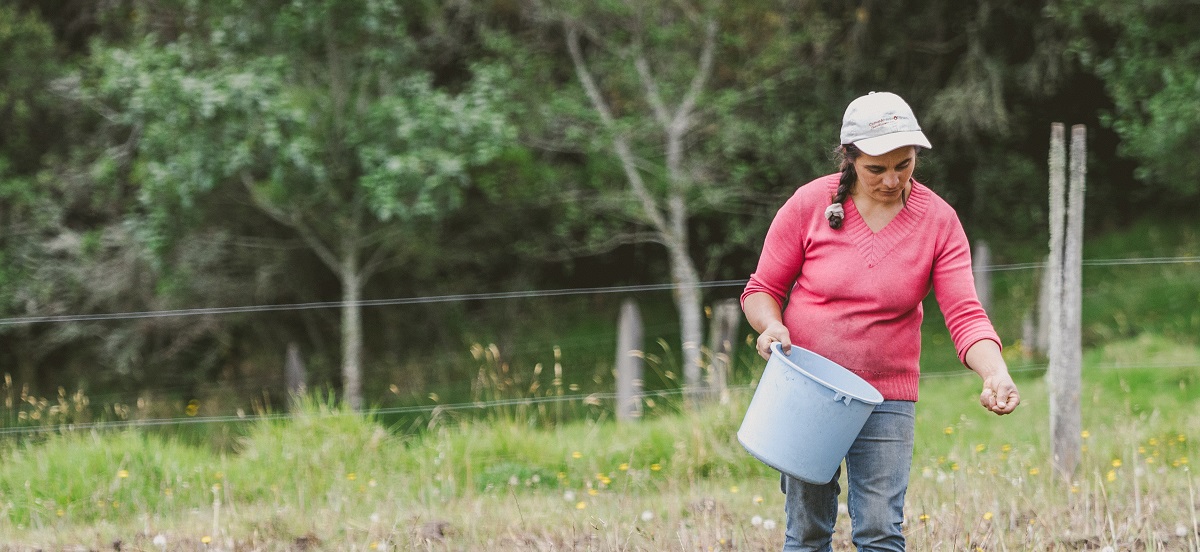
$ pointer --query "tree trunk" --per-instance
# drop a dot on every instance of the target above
(691, 320)
(352, 338)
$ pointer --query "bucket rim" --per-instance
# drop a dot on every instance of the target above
(777, 347)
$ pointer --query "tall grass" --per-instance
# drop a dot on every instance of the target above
(674, 481)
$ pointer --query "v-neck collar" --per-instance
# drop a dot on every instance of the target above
(874, 246)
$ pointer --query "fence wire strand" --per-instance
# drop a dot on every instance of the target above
(484, 405)
(525, 294)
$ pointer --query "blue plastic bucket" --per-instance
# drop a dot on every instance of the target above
(805, 414)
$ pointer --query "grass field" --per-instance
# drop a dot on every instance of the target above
(564, 476)
(330, 480)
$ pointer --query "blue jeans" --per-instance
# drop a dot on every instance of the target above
(877, 469)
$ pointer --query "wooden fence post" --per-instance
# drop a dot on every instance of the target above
(981, 263)
(1066, 266)
(629, 362)
(1043, 313)
(294, 374)
(726, 316)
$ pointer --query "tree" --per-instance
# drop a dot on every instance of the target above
(665, 209)
(28, 213)
(641, 72)
(1147, 54)
(314, 111)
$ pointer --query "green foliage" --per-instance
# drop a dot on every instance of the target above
(205, 153)
(26, 115)
(211, 113)
(30, 66)
(1148, 56)
(417, 147)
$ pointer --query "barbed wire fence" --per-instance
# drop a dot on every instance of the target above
(587, 398)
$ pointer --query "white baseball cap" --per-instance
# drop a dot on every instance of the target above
(881, 122)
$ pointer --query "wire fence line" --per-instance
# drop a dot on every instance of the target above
(1098, 262)
(491, 296)
(589, 398)
(455, 298)
(483, 297)
(594, 398)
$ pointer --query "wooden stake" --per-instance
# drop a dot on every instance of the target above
(629, 362)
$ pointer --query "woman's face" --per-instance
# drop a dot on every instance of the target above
(884, 178)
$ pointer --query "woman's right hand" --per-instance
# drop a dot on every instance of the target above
(776, 332)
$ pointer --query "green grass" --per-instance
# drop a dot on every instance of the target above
(344, 481)
(560, 476)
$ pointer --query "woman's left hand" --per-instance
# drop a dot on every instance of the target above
(1000, 394)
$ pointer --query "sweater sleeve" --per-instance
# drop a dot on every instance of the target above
(954, 287)
(782, 253)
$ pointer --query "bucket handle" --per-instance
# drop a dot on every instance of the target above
(838, 395)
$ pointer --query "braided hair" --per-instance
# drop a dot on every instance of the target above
(846, 153)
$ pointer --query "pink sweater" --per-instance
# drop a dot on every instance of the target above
(854, 296)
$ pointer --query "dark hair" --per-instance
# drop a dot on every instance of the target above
(846, 154)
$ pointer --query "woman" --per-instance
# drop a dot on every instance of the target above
(852, 255)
